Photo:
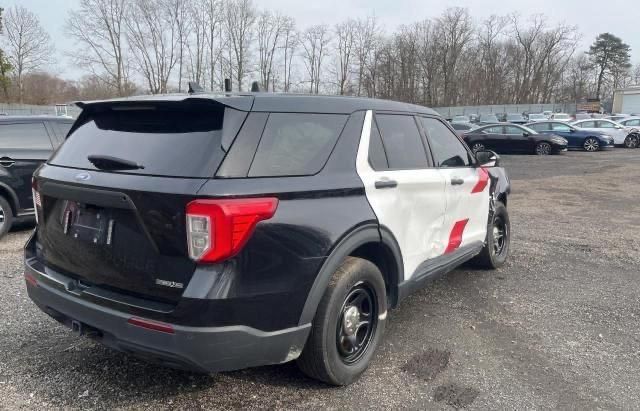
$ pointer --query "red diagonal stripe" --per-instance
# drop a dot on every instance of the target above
(483, 180)
(455, 238)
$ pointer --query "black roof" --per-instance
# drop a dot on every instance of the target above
(281, 102)
(22, 119)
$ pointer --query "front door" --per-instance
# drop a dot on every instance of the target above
(406, 193)
(467, 187)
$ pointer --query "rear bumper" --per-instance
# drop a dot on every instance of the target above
(204, 349)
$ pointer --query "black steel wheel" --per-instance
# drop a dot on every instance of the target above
(348, 325)
(357, 323)
(498, 240)
(6, 217)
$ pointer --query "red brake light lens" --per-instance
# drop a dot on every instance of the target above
(218, 229)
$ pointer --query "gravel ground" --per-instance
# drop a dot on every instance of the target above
(557, 327)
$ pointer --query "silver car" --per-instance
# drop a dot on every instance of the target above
(622, 136)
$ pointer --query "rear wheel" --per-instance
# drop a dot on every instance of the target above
(591, 144)
(496, 248)
(6, 217)
(348, 325)
(543, 148)
(631, 141)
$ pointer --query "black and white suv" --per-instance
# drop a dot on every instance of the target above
(217, 232)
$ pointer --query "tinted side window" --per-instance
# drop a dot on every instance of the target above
(512, 130)
(494, 130)
(560, 127)
(402, 141)
(605, 124)
(377, 156)
(447, 150)
(539, 126)
(61, 128)
(296, 144)
(24, 136)
(586, 124)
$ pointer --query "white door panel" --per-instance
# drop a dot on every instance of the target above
(468, 202)
(413, 211)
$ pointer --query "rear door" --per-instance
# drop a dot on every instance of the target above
(564, 130)
(518, 142)
(405, 191)
(23, 147)
(124, 229)
(467, 191)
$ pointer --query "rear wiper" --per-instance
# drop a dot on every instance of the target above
(113, 163)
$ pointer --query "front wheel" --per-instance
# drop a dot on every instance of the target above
(591, 144)
(631, 141)
(496, 247)
(348, 325)
(543, 148)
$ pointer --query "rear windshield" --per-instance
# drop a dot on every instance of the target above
(166, 141)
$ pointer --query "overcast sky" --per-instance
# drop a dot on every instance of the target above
(620, 17)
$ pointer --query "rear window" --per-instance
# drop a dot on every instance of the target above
(296, 144)
(25, 136)
(167, 141)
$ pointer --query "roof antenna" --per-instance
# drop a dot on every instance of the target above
(195, 88)
(227, 85)
(255, 87)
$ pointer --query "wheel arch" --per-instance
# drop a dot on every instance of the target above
(370, 242)
(10, 196)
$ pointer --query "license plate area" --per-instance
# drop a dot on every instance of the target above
(88, 224)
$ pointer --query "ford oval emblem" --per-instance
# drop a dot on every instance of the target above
(83, 176)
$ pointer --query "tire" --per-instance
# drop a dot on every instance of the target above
(543, 148)
(492, 256)
(591, 144)
(6, 217)
(477, 147)
(631, 141)
(323, 358)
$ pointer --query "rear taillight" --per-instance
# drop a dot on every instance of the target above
(218, 229)
(37, 201)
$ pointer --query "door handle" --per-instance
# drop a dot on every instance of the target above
(386, 184)
(455, 181)
(6, 162)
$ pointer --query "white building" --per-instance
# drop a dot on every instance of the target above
(627, 100)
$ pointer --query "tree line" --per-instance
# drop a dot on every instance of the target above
(156, 46)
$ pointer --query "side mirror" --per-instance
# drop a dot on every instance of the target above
(525, 134)
(488, 158)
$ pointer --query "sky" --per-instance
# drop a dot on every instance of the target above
(620, 17)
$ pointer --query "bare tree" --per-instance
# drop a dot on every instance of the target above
(152, 34)
(365, 38)
(270, 29)
(29, 45)
(240, 17)
(98, 28)
(289, 46)
(346, 43)
(455, 30)
(315, 41)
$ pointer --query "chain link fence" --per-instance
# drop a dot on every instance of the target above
(34, 110)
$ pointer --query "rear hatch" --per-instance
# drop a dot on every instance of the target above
(113, 197)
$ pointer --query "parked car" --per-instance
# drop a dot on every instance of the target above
(632, 122)
(622, 136)
(547, 113)
(462, 128)
(583, 116)
(25, 143)
(534, 117)
(516, 118)
(514, 138)
(488, 119)
(218, 232)
(460, 119)
(616, 117)
(587, 140)
(561, 117)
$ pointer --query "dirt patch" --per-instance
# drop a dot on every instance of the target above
(455, 395)
(428, 364)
